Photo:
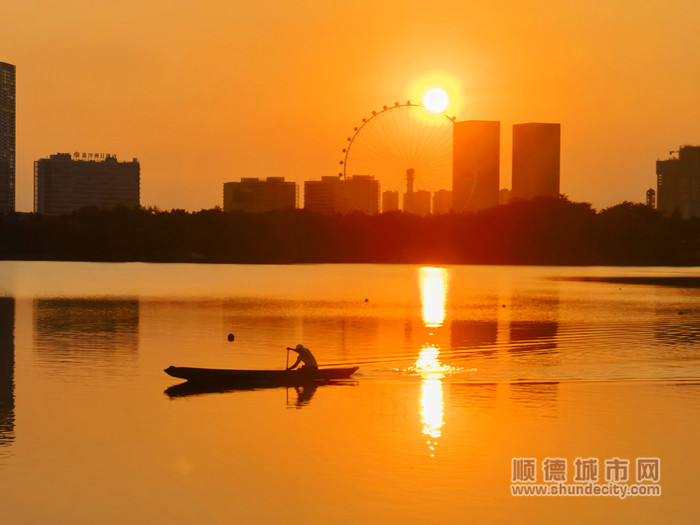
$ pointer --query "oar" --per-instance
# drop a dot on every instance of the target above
(286, 388)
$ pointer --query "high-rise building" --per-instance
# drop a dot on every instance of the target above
(475, 164)
(5, 199)
(667, 185)
(390, 201)
(7, 136)
(442, 202)
(536, 155)
(253, 195)
(63, 184)
(334, 195)
(417, 202)
(678, 183)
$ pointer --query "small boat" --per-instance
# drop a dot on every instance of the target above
(304, 391)
(302, 376)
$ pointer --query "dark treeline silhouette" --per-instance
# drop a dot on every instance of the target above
(541, 231)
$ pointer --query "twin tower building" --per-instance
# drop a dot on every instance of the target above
(476, 154)
(476, 163)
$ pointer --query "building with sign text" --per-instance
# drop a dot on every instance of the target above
(65, 183)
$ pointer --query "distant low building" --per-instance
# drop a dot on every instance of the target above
(678, 183)
(335, 195)
(65, 183)
(390, 201)
(504, 196)
(442, 202)
(360, 193)
(322, 196)
(253, 195)
(417, 202)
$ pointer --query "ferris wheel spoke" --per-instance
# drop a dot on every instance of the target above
(398, 138)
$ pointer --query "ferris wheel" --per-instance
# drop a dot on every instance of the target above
(398, 138)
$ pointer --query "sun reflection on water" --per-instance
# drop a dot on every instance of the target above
(431, 400)
(431, 406)
(433, 291)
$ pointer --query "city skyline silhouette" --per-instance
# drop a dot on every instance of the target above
(198, 112)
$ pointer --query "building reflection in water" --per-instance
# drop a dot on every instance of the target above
(477, 337)
(7, 371)
(433, 292)
(677, 327)
(540, 396)
(86, 333)
(533, 340)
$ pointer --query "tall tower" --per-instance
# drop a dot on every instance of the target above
(7, 137)
(475, 164)
(536, 155)
(651, 198)
(410, 177)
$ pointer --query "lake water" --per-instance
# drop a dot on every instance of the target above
(462, 370)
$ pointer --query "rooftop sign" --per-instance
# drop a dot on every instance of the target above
(93, 156)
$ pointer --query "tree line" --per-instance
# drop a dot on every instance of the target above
(536, 232)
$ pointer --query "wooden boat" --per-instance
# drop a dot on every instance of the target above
(216, 376)
(304, 391)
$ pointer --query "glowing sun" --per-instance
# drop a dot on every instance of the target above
(435, 100)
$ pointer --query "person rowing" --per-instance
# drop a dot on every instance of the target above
(305, 356)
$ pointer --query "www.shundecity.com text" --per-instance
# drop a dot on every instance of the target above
(587, 489)
(590, 477)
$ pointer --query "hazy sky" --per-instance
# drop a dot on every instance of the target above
(204, 92)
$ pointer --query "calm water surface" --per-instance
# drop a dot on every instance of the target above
(462, 369)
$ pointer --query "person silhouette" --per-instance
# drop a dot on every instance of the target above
(305, 356)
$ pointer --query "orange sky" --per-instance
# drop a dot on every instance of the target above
(208, 92)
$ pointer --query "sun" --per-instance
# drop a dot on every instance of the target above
(435, 100)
